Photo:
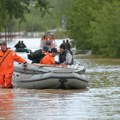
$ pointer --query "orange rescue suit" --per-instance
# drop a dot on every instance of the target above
(7, 67)
(48, 59)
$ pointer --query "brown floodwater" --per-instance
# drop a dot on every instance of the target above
(100, 101)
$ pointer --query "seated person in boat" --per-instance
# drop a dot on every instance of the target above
(38, 54)
(65, 57)
(49, 58)
(20, 44)
(51, 37)
(68, 45)
(44, 41)
(63, 42)
(44, 38)
(23, 45)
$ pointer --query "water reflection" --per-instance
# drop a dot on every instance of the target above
(101, 101)
(60, 104)
(6, 104)
(90, 104)
(42, 104)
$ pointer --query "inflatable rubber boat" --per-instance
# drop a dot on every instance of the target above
(37, 76)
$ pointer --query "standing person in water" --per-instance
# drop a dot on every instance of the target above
(7, 58)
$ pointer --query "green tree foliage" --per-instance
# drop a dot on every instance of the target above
(95, 25)
(78, 23)
(44, 14)
(44, 20)
(106, 29)
(11, 9)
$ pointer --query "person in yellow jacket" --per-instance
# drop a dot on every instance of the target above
(49, 58)
(7, 58)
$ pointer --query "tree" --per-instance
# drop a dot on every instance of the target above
(11, 9)
(78, 23)
(95, 25)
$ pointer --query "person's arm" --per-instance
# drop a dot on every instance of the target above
(18, 58)
(68, 59)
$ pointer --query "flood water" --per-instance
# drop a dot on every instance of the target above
(101, 101)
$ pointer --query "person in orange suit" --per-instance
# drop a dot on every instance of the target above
(49, 58)
(51, 37)
(7, 58)
(44, 38)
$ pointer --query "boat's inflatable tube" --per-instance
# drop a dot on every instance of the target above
(36, 76)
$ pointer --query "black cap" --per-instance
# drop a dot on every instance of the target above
(62, 46)
(45, 48)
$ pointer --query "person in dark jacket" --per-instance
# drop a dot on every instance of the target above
(18, 45)
(22, 44)
(63, 42)
(67, 45)
(65, 56)
(37, 55)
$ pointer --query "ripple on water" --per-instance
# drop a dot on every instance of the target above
(101, 101)
(93, 103)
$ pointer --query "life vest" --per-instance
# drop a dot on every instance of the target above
(48, 59)
(62, 57)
